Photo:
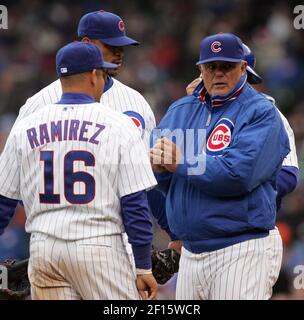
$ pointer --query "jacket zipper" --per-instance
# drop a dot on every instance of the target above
(209, 118)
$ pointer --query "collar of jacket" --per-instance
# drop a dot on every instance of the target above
(218, 101)
(108, 84)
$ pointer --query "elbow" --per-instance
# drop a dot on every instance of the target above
(238, 185)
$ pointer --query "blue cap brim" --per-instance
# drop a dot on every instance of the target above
(120, 41)
(253, 77)
(218, 59)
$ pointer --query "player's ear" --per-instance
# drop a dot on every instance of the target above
(93, 75)
(243, 67)
(201, 70)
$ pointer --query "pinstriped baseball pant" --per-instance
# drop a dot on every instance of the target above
(96, 268)
(244, 271)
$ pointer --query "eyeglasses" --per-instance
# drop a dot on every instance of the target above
(224, 67)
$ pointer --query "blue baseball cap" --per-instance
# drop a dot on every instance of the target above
(105, 26)
(79, 57)
(253, 77)
(221, 47)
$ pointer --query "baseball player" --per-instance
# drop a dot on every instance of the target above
(81, 170)
(225, 212)
(107, 31)
(288, 176)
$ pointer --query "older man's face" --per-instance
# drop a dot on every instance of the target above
(221, 77)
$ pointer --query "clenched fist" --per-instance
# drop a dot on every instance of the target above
(165, 156)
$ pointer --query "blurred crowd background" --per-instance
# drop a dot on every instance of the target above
(160, 68)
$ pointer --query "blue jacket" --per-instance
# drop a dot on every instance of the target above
(235, 198)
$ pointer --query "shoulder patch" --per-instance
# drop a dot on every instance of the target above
(220, 137)
(138, 120)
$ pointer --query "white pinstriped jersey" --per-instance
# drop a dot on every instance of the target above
(291, 159)
(119, 97)
(70, 164)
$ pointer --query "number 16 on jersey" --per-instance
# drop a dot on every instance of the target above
(70, 177)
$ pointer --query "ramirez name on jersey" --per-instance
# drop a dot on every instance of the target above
(64, 130)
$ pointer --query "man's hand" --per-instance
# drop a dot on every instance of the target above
(156, 160)
(176, 245)
(191, 86)
(147, 286)
(165, 155)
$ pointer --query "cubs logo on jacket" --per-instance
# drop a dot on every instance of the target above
(220, 137)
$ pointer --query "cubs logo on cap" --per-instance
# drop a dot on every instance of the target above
(216, 46)
(138, 121)
(220, 137)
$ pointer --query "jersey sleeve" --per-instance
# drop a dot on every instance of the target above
(291, 159)
(135, 171)
(150, 123)
(10, 169)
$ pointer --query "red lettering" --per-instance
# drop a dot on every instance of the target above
(227, 139)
